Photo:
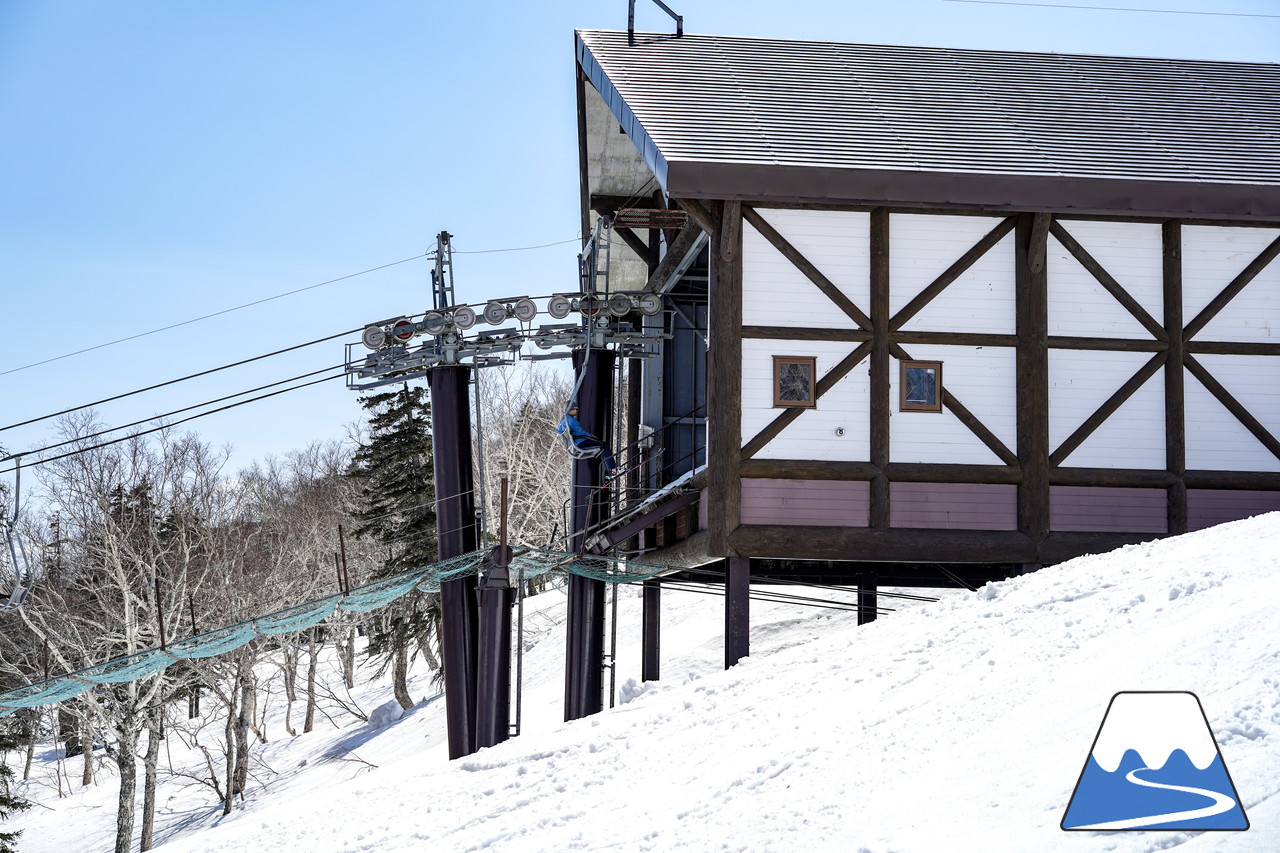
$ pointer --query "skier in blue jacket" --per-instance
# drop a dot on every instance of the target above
(584, 439)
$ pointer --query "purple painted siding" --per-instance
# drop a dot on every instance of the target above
(1207, 507)
(806, 502)
(1107, 510)
(954, 506)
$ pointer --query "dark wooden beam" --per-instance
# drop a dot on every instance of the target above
(959, 339)
(803, 264)
(1108, 344)
(1061, 546)
(807, 469)
(724, 380)
(794, 333)
(952, 404)
(1038, 249)
(1032, 371)
(1175, 418)
(1231, 348)
(1263, 481)
(788, 416)
(879, 409)
(981, 339)
(894, 544)
(1107, 409)
(1131, 478)
(898, 472)
(941, 472)
(640, 247)
(1233, 405)
(953, 272)
(676, 251)
(1237, 284)
(1105, 279)
(699, 214)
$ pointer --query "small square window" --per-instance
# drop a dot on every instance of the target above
(795, 381)
(920, 386)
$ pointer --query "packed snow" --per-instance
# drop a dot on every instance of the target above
(958, 725)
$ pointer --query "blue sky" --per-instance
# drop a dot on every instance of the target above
(163, 161)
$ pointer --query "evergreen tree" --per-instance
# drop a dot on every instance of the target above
(9, 803)
(397, 510)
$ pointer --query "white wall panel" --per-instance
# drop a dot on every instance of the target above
(1080, 306)
(1080, 381)
(1211, 257)
(1216, 440)
(984, 380)
(813, 434)
(776, 293)
(922, 247)
(1133, 252)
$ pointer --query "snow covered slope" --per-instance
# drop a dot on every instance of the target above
(961, 725)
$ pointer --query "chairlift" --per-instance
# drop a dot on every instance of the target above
(578, 452)
(23, 578)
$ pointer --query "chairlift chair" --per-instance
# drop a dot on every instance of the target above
(578, 452)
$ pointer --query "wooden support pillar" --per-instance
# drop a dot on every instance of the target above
(584, 652)
(1175, 432)
(880, 366)
(651, 631)
(737, 610)
(868, 584)
(724, 380)
(456, 534)
(1032, 311)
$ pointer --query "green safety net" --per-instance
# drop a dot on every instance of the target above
(526, 564)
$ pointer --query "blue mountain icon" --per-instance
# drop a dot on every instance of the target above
(1155, 765)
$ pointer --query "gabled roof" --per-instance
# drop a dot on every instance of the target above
(794, 121)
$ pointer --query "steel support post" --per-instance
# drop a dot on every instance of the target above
(457, 534)
(584, 652)
(651, 631)
(867, 585)
(737, 610)
(493, 681)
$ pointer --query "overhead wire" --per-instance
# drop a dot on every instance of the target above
(81, 450)
(179, 379)
(513, 249)
(214, 314)
(108, 430)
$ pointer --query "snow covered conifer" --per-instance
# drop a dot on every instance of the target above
(396, 508)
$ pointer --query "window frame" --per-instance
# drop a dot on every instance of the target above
(903, 404)
(808, 361)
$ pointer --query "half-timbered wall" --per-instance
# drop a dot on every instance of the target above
(1211, 258)
(1130, 444)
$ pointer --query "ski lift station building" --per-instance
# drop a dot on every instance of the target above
(940, 315)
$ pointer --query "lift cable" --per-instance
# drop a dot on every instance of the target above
(103, 432)
(214, 314)
(179, 379)
(178, 422)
